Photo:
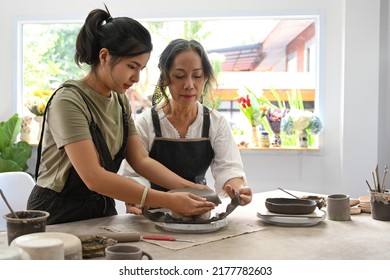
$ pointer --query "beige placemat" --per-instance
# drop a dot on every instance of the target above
(241, 221)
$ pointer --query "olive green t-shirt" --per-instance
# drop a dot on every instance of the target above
(67, 121)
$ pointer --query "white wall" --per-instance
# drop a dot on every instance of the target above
(352, 86)
(384, 87)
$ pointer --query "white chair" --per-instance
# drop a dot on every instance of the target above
(16, 187)
(120, 207)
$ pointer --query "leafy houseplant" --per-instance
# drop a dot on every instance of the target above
(13, 155)
(250, 107)
(288, 121)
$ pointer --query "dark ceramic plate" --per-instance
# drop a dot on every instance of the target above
(290, 206)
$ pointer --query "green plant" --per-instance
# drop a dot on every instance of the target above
(295, 104)
(13, 155)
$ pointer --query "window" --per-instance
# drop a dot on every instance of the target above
(257, 53)
(48, 61)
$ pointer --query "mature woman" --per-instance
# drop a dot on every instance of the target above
(184, 135)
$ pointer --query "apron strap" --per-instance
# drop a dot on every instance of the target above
(206, 122)
(101, 146)
(156, 122)
(39, 149)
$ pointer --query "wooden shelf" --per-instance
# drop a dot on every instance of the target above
(311, 149)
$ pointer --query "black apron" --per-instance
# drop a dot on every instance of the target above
(189, 158)
(76, 201)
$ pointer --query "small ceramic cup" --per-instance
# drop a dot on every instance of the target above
(338, 207)
(125, 252)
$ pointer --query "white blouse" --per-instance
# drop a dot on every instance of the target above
(227, 162)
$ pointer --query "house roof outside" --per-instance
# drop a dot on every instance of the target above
(263, 56)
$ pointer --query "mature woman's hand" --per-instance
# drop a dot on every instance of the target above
(244, 191)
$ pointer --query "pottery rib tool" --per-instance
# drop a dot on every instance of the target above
(9, 206)
(375, 185)
(377, 178)
(368, 184)
(384, 178)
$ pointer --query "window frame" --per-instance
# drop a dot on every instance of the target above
(319, 71)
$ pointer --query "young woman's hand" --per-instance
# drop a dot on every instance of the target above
(133, 209)
(188, 204)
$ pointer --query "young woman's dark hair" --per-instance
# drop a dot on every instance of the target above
(167, 57)
(122, 37)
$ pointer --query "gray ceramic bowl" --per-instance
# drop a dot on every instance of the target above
(290, 206)
(209, 195)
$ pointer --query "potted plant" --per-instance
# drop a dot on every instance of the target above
(13, 155)
(303, 123)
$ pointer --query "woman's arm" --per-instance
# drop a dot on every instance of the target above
(84, 158)
(227, 163)
(227, 167)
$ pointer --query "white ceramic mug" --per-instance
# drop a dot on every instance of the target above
(338, 207)
(125, 252)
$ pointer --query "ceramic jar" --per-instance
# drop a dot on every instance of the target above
(29, 221)
(380, 206)
(302, 140)
(264, 139)
(255, 137)
(277, 140)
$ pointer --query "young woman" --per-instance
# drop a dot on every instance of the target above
(184, 135)
(88, 131)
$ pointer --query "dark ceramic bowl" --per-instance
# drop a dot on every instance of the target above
(290, 206)
(321, 200)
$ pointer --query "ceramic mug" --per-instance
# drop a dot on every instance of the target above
(28, 221)
(125, 252)
(338, 207)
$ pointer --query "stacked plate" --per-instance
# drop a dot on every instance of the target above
(71, 243)
(365, 204)
(289, 220)
(291, 212)
(193, 228)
